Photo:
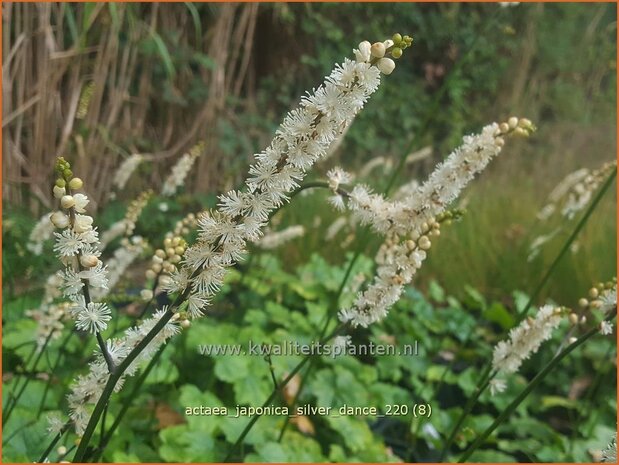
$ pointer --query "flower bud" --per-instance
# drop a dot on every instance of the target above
(80, 202)
(364, 51)
(59, 219)
(179, 250)
(572, 340)
(593, 293)
(388, 43)
(156, 267)
(59, 192)
(424, 243)
(160, 253)
(499, 142)
(185, 324)
(61, 182)
(62, 450)
(150, 274)
(512, 122)
(397, 38)
(396, 52)
(377, 49)
(67, 201)
(89, 261)
(386, 65)
(410, 245)
(146, 294)
(76, 183)
(583, 302)
(573, 318)
(170, 251)
(82, 223)
(503, 127)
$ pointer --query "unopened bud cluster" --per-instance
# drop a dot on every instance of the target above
(77, 247)
(514, 126)
(378, 53)
(135, 209)
(524, 340)
(166, 259)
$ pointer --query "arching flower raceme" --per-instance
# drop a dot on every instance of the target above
(273, 239)
(181, 169)
(77, 246)
(304, 137)
(410, 222)
(524, 340)
(126, 169)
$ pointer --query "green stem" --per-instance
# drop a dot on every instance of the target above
(522, 314)
(322, 333)
(127, 403)
(435, 390)
(471, 402)
(274, 393)
(53, 370)
(14, 399)
(115, 376)
(53, 443)
(568, 243)
(527, 390)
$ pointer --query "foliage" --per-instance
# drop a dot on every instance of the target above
(553, 424)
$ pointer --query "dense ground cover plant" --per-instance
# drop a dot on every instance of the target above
(101, 302)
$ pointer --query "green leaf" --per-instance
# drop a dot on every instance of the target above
(557, 401)
(180, 444)
(437, 293)
(164, 53)
(497, 313)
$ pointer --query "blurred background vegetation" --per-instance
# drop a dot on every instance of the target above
(97, 82)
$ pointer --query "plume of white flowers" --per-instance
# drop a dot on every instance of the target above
(181, 169)
(77, 246)
(126, 169)
(524, 340)
(575, 191)
(42, 232)
(87, 388)
(409, 223)
(304, 137)
(274, 239)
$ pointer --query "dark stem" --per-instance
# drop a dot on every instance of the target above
(53, 370)
(320, 336)
(53, 443)
(126, 404)
(532, 385)
(522, 314)
(274, 393)
(14, 399)
(568, 243)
